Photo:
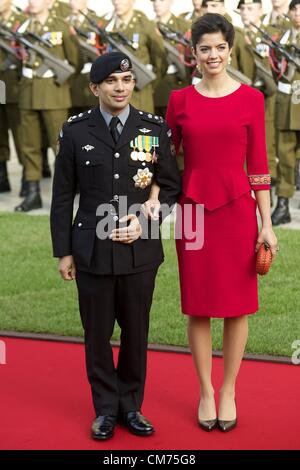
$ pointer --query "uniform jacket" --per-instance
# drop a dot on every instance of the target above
(81, 95)
(105, 172)
(44, 93)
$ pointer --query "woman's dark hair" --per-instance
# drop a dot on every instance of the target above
(212, 23)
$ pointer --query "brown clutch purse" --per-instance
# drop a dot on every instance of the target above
(263, 259)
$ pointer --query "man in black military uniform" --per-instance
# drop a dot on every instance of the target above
(112, 151)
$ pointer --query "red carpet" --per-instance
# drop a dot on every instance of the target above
(45, 403)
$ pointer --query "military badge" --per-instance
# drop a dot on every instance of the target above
(124, 65)
(55, 37)
(143, 178)
(91, 38)
(88, 148)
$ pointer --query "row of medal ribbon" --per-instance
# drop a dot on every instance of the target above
(142, 146)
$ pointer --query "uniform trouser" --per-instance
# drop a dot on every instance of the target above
(32, 137)
(271, 134)
(102, 300)
(10, 119)
(288, 150)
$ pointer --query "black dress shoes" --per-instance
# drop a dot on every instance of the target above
(103, 427)
(137, 423)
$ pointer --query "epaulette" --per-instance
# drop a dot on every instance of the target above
(79, 117)
(151, 117)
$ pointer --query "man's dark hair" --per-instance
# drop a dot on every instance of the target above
(212, 23)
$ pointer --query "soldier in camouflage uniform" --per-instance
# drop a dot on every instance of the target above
(9, 112)
(148, 43)
(173, 80)
(82, 97)
(42, 100)
(287, 119)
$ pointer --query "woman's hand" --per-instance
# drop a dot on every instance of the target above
(151, 208)
(267, 236)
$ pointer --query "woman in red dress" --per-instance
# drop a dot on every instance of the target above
(220, 125)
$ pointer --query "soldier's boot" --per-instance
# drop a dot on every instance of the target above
(297, 175)
(46, 172)
(4, 181)
(281, 214)
(33, 198)
(24, 185)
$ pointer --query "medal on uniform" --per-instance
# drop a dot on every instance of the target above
(143, 178)
(155, 144)
(135, 40)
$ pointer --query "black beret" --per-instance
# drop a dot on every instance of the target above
(112, 62)
(247, 2)
(293, 4)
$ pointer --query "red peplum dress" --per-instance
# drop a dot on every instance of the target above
(225, 157)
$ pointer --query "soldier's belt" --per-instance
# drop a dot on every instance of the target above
(172, 69)
(30, 73)
(285, 88)
(86, 68)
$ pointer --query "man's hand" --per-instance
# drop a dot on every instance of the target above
(66, 267)
(127, 234)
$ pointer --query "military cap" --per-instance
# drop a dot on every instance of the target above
(247, 2)
(293, 4)
(112, 62)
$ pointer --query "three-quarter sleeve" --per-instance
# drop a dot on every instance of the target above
(256, 158)
(173, 122)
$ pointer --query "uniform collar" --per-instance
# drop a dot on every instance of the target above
(123, 116)
(99, 129)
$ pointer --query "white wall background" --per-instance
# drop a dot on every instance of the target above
(179, 6)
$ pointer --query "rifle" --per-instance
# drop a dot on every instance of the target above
(144, 76)
(90, 53)
(12, 56)
(173, 54)
(239, 76)
(61, 69)
(276, 45)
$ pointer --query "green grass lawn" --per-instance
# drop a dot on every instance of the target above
(33, 298)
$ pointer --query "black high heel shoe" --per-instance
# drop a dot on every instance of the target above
(208, 425)
(226, 426)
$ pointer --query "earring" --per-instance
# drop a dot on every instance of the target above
(199, 69)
